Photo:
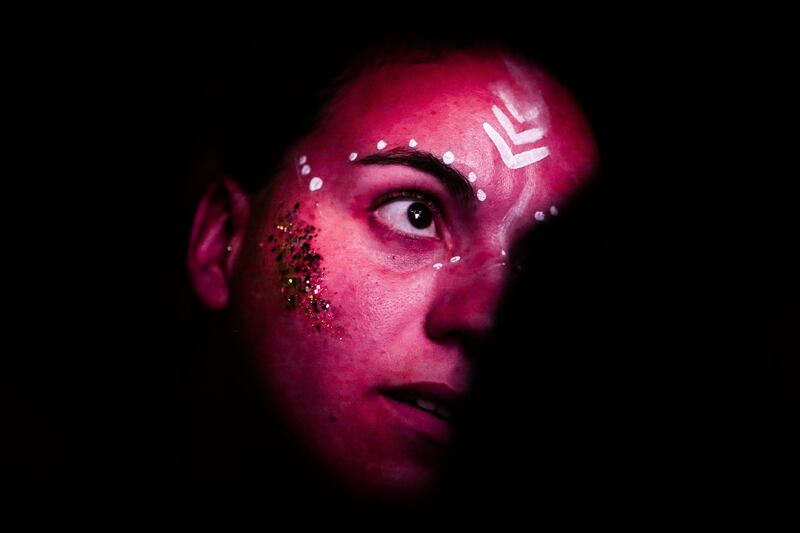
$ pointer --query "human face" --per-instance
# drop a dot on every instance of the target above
(384, 247)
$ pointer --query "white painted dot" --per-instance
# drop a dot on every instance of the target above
(481, 195)
(448, 157)
(302, 160)
(553, 210)
(412, 143)
(502, 252)
(381, 144)
(437, 266)
(315, 184)
(472, 177)
(455, 259)
(353, 156)
(539, 215)
(306, 170)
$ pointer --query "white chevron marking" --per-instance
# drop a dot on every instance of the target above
(513, 110)
(511, 160)
(523, 137)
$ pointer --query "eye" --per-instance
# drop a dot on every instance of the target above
(412, 217)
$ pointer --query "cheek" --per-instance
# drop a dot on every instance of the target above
(299, 269)
(384, 313)
(339, 296)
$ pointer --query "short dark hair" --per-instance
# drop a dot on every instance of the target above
(253, 86)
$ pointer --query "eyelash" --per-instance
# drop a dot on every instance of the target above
(411, 194)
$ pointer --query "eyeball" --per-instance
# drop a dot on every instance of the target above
(408, 216)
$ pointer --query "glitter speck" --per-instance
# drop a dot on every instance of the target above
(448, 157)
(302, 160)
(481, 195)
(412, 143)
(353, 156)
(553, 210)
(455, 259)
(472, 177)
(306, 170)
(381, 144)
(539, 215)
(502, 252)
(437, 266)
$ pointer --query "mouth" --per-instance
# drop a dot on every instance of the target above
(427, 408)
(437, 399)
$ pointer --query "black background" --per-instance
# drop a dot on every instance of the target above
(663, 378)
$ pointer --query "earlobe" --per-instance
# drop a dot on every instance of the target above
(217, 234)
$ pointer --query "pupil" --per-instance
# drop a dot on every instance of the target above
(419, 215)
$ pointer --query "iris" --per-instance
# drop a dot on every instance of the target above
(419, 215)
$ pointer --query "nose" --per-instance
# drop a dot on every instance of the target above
(467, 295)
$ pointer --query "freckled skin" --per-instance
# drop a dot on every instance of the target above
(401, 320)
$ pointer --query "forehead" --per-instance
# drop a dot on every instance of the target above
(449, 106)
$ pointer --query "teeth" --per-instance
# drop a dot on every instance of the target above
(425, 404)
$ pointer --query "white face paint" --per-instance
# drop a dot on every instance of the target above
(530, 113)
(525, 104)
(481, 194)
(519, 160)
(472, 177)
(448, 157)
(381, 144)
(539, 215)
(455, 259)
(306, 170)
(302, 160)
(437, 266)
(353, 156)
(412, 143)
(553, 210)
(315, 184)
(517, 137)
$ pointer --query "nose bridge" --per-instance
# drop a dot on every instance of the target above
(467, 295)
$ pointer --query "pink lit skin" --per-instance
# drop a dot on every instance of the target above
(399, 319)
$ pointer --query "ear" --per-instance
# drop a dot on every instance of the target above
(217, 235)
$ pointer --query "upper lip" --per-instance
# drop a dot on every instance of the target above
(439, 393)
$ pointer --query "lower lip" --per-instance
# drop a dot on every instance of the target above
(419, 422)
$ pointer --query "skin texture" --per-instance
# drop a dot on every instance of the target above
(393, 318)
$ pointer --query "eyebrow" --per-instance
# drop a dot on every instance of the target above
(454, 181)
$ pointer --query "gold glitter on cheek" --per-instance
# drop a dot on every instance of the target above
(300, 270)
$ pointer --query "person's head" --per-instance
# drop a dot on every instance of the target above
(362, 274)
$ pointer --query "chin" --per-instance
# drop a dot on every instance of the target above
(391, 484)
